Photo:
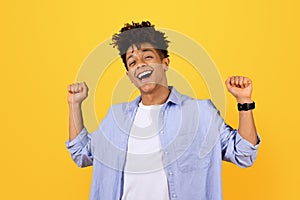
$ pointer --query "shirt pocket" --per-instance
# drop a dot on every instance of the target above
(187, 150)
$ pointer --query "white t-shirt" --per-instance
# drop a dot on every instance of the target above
(144, 176)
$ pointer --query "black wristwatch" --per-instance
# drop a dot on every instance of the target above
(246, 106)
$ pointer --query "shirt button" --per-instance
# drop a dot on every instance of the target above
(174, 195)
(170, 173)
(161, 132)
(166, 152)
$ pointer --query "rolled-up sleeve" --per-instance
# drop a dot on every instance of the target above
(80, 149)
(236, 149)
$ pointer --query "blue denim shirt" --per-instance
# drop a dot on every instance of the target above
(194, 140)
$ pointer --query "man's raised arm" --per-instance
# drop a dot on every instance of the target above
(241, 88)
(77, 93)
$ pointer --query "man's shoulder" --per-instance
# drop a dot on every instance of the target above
(201, 103)
(186, 100)
(119, 107)
(123, 109)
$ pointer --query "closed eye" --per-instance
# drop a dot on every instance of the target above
(132, 63)
(149, 57)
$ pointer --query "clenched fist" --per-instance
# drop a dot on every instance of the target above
(77, 92)
(240, 87)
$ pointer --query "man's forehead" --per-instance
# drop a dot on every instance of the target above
(142, 47)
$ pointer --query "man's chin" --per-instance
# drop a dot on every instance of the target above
(147, 87)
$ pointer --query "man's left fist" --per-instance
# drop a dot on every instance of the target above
(240, 87)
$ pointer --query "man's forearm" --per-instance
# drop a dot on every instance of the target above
(75, 120)
(241, 88)
(247, 127)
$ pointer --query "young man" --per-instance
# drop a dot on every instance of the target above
(163, 145)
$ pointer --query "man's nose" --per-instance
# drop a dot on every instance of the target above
(140, 64)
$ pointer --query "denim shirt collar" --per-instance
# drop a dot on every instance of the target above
(174, 97)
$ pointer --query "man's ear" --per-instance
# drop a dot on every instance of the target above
(166, 62)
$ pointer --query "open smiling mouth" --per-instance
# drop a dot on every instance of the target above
(144, 74)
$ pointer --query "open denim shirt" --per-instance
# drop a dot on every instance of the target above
(194, 141)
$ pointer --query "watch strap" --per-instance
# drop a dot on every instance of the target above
(246, 106)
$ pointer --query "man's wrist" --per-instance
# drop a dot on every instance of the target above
(74, 105)
(244, 100)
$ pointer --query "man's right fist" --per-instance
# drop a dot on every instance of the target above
(77, 92)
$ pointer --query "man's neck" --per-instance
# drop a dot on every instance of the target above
(158, 96)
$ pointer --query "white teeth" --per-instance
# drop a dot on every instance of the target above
(141, 75)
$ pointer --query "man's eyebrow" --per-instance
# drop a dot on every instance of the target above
(143, 50)
(129, 57)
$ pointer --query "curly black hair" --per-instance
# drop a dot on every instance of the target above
(138, 33)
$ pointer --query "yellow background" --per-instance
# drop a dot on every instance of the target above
(43, 44)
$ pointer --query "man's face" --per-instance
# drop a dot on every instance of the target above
(146, 70)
